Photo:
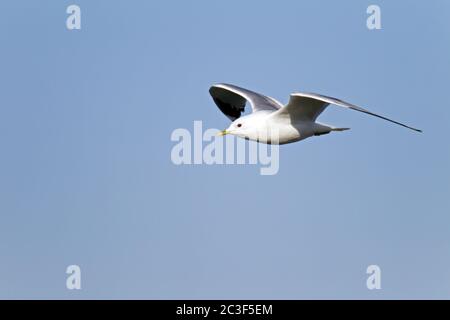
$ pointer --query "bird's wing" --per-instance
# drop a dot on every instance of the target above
(308, 106)
(231, 100)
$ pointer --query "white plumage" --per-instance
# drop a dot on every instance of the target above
(273, 122)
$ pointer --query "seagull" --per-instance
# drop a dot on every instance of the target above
(292, 122)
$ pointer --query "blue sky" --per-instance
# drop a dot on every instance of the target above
(86, 176)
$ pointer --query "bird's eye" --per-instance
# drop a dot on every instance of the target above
(239, 125)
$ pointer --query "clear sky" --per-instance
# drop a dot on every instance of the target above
(86, 176)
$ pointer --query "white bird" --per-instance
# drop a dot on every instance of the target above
(271, 121)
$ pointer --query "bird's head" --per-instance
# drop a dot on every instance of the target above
(240, 127)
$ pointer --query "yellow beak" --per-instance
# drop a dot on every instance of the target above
(222, 133)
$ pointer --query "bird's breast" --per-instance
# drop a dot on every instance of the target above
(281, 133)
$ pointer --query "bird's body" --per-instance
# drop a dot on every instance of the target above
(272, 122)
(263, 125)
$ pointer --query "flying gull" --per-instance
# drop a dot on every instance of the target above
(273, 122)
